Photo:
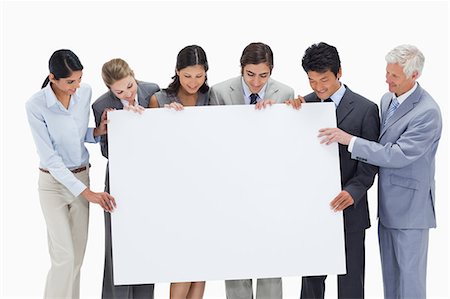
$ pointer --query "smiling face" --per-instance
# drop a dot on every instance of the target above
(125, 89)
(192, 78)
(324, 84)
(66, 86)
(256, 76)
(397, 80)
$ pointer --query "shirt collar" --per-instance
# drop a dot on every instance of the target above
(338, 95)
(52, 100)
(404, 96)
(125, 103)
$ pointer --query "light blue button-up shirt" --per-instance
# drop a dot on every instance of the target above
(60, 133)
(338, 95)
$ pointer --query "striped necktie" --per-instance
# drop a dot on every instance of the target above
(392, 107)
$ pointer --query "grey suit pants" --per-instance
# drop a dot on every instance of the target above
(266, 288)
(110, 291)
(403, 261)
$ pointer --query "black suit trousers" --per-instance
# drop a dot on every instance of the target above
(350, 285)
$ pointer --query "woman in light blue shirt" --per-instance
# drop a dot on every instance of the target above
(58, 115)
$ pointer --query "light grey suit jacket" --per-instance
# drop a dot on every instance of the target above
(231, 92)
(405, 153)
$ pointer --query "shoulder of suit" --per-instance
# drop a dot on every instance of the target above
(103, 99)
(281, 86)
(358, 99)
(311, 97)
(148, 87)
(226, 84)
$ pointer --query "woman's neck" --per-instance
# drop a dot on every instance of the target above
(63, 98)
(187, 99)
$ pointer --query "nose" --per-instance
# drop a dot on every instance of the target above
(255, 81)
(318, 86)
(388, 78)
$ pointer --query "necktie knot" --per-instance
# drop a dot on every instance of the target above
(253, 98)
(328, 100)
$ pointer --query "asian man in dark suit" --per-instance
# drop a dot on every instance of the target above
(405, 152)
(359, 116)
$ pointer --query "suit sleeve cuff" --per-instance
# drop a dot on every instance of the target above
(351, 144)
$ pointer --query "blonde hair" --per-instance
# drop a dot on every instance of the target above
(114, 70)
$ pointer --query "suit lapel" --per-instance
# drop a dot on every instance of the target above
(140, 96)
(115, 102)
(237, 92)
(403, 109)
(270, 90)
(345, 106)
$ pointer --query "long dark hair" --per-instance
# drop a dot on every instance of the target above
(189, 56)
(62, 64)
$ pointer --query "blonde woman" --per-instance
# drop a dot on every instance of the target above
(124, 92)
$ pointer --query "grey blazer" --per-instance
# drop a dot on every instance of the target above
(405, 153)
(108, 100)
(230, 92)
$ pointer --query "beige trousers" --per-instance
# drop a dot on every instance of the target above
(67, 219)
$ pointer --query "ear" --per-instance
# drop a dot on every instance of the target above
(339, 74)
(415, 75)
(51, 77)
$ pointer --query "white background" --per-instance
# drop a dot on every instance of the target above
(149, 35)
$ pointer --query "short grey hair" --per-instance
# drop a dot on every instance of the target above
(409, 57)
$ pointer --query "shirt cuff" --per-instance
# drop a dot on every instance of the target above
(77, 188)
(352, 142)
(89, 137)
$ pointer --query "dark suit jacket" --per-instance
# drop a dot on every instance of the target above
(108, 100)
(357, 116)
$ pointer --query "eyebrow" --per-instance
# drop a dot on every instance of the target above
(252, 73)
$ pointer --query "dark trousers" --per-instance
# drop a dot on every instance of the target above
(110, 291)
(350, 285)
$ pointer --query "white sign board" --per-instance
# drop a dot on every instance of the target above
(224, 192)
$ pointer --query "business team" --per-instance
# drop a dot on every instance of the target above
(402, 151)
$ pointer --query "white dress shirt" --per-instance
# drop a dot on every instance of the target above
(60, 133)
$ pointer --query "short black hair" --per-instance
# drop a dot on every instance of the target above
(320, 58)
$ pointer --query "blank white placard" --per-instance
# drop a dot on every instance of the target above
(224, 192)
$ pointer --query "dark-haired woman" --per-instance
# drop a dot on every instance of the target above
(188, 88)
(58, 115)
